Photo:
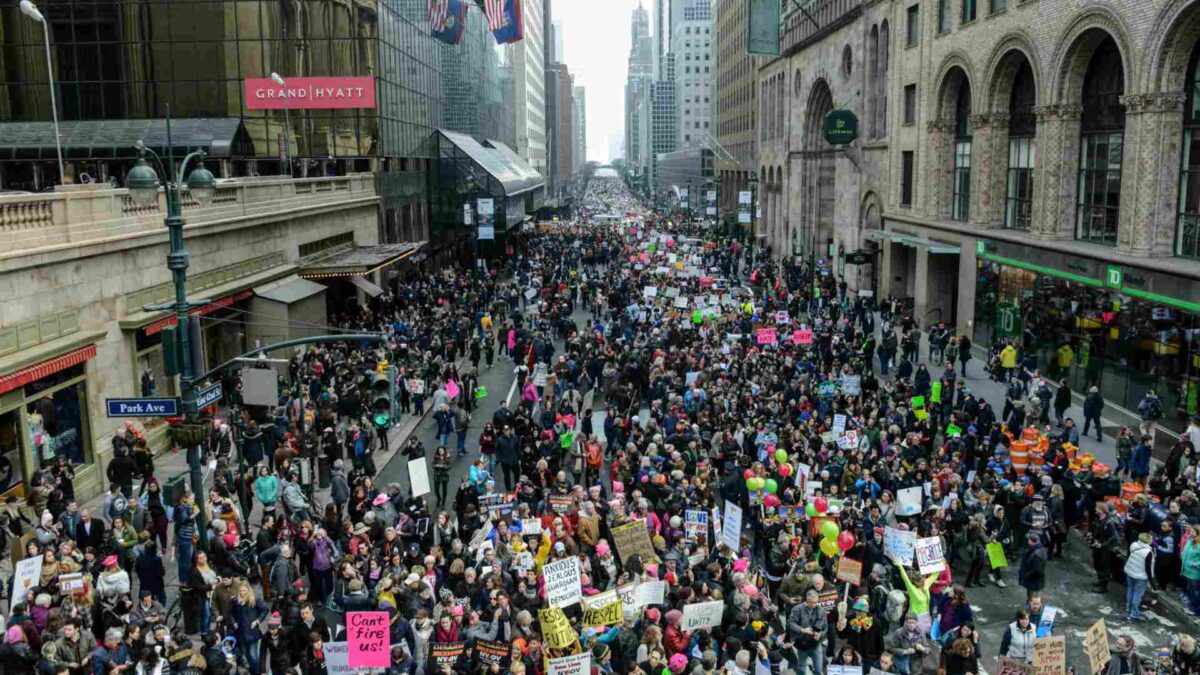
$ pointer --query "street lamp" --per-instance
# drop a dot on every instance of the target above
(287, 122)
(143, 184)
(30, 10)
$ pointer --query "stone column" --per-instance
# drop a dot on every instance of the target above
(989, 168)
(1150, 172)
(937, 167)
(921, 290)
(1056, 174)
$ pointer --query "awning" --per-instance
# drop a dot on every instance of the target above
(366, 286)
(933, 246)
(503, 172)
(46, 368)
(104, 139)
(358, 262)
(289, 289)
(209, 308)
(222, 295)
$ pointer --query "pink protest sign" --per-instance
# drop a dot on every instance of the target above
(643, 257)
(766, 336)
(368, 640)
(802, 337)
(452, 389)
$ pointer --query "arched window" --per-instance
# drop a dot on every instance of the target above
(881, 80)
(960, 202)
(1187, 234)
(872, 80)
(1022, 152)
(1100, 147)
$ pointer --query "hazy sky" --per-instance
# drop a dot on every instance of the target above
(597, 52)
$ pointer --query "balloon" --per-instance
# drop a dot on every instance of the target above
(830, 530)
(829, 547)
(750, 590)
(785, 470)
(821, 504)
(810, 510)
(748, 474)
(772, 486)
(750, 483)
(845, 541)
(770, 501)
(759, 483)
(781, 456)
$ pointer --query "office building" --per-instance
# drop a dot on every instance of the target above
(734, 116)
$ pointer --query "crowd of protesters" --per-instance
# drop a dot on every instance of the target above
(757, 447)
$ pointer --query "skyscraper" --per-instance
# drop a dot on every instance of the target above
(691, 35)
(529, 88)
(579, 104)
(637, 94)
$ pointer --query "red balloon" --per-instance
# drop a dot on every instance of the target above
(785, 470)
(845, 541)
(770, 501)
(820, 504)
(748, 474)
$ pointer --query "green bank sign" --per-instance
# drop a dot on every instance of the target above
(841, 127)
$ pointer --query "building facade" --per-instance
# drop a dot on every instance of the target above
(560, 116)
(579, 129)
(691, 43)
(529, 88)
(664, 133)
(734, 116)
(640, 74)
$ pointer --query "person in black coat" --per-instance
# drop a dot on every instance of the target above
(88, 531)
(121, 470)
(1032, 575)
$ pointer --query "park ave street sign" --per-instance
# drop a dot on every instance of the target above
(142, 407)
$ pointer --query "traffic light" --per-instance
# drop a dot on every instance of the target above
(381, 401)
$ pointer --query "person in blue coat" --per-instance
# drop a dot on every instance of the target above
(1139, 463)
(247, 616)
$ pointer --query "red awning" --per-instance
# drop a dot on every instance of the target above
(211, 307)
(46, 368)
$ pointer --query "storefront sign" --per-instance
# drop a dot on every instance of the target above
(142, 407)
(310, 93)
(1114, 277)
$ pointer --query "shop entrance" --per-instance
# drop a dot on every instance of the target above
(903, 283)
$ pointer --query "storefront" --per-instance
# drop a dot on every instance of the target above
(1128, 330)
(44, 416)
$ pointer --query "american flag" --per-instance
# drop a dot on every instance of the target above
(494, 9)
(439, 11)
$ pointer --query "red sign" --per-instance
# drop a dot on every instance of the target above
(300, 93)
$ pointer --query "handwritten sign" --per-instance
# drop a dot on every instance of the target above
(766, 336)
(702, 615)
(731, 529)
(651, 593)
(603, 609)
(803, 336)
(1050, 656)
(634, 539)
(556, 629)
(575, 664)
(562, 582)
(368, 640)
(1095, 643)
(899, 544)
(849, 570)
(929, 555)
(696, 525)
(908, 501)
(27, 574)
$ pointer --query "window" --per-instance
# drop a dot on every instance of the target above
(960, 200)
(910, 104)
(906, 178)
(1100, 147)
(943, 16)
(913, 28)
(997, 6)
(1187, 230)
(1022, 152)
(968, 11)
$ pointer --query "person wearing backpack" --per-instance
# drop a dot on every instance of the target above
(1150, 411)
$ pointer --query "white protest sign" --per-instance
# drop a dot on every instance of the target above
(651, 593)
(418, 476)
(843, 670)
(908, 501)
(337, 659)
(575, 664)
(562, 582)
(26, 575)
(650, 292)
(852, 385)
(731, 528)
(929, 555)
(530, 293)
(839, 424)
(681, 302)
(899, 544)
(848, 441)
(702, 615)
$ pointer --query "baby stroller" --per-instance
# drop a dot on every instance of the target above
(246, 557)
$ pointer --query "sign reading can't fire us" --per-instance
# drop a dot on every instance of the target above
(841, 127)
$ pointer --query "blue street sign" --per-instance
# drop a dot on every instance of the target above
(208, 396)
(142, 407)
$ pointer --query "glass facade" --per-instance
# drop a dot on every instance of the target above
(56, 414)
(1187, 240)
(1122, 344)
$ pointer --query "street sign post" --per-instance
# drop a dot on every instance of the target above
(208, 396)
(142, 407)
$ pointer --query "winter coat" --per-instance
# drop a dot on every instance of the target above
(1033, 568)
(1135, 564)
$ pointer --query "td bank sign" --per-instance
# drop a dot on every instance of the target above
(309, 93)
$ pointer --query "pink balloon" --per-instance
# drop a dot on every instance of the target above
(820, 504)
(750, 590)
(845, 541)
(771, 501)
(748, 474)
(785, 470)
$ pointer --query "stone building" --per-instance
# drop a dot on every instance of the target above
(1024, 170)
(734, 96)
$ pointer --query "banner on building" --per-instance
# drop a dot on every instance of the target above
(763, 27)
(486, 208)
(504, 20)
(745, 198)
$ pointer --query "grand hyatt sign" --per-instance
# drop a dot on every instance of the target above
(307, 93)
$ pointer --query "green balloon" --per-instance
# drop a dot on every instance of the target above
(750, 483)
(830, 530)
(810, 510)
(772, 486)
(781, 456)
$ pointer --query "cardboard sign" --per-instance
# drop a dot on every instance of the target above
(766, 336)
(26, 575)
(368, 640)
(602, 610)
(899, 544)
(634, 539)
(1010, 666)
(849, 570)
(930, 558)
(731, 528)
(1095, 643)
(562, 580)
(575, 664)
(556, 629)
(418, 476)
(1050, 656)
(695, 526)
(444, 655)
(702, 615)
(803, 337)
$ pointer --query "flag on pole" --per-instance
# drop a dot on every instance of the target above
(504, 20)
(447, 20)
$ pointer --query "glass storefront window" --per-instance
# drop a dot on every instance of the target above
(960, 205)
(1099, 188)
(57, 417)
(11, 472)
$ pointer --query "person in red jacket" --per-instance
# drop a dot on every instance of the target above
(675, 639)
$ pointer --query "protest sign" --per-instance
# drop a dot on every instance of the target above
(731, 529)
(603, 609)
(71, 584)
(418, 476)
(803, 336)
(492, 653)
(26, 575)
(695, 526)
(930, 557)
(336, 659)
(650, 292)
(918, 407)
(827, 389)
(1010, 666)
(781, 316)
(908, 501)
(629, 600)
(843, 670)
(702, 615)
(556, 629)
(575, 664)
(1050, 656)
(996, 558)
(849, 570)
(368, 640)
(765, 336)
(560, 504)
(444, 655)
(899, 544)
(852, 385)
(790, 513)
(651, 593)
(562, 582)
(680, 302)
(953, 430)
(1046, 625)
(634, 539)
(452, 389)
(415, 386)
(839, 424)
(1095, 643)
(848, 440)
